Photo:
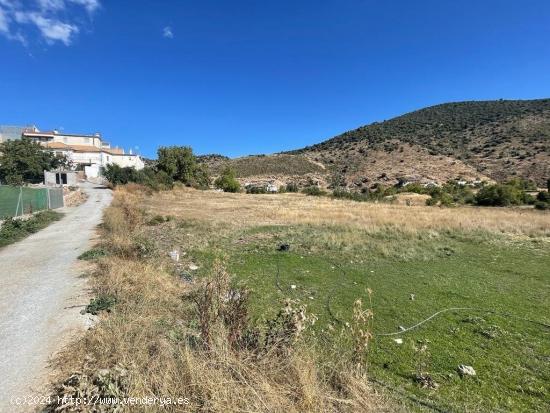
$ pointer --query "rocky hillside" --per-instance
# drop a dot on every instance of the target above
(498, 139)
(490, 140)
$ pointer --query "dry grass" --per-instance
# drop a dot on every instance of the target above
(282, 209)
(151, 336)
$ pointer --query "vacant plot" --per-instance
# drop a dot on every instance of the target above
(486, 269)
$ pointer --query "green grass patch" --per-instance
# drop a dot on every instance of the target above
(92, 254)
(15, 229)
(101, 303)
(413, 275)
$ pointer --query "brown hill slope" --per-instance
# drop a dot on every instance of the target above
(486, 140)
(499, 139)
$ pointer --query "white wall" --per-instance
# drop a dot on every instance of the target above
(91, 171)
(133, 161)
(78, 140)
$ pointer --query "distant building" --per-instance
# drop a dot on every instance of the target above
(271, 188)
(86, 152)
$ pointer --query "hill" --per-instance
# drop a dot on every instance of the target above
(488, 140)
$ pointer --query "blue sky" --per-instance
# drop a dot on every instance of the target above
(241, 77)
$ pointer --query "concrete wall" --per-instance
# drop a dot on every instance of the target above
(92, 171)
(78, 140)
(132, 161)
(50, 178)
(87, 157)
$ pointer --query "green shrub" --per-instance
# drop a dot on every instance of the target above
(313, 191)
(543, 206)
(92, 254)
(227, 181)
(102, 303)
(353, 196)
(499, 195)
(149, 177)
(292, 187)
(413, 187)
(431, 201)
(543, 196)
(180, 164)
(256, 190)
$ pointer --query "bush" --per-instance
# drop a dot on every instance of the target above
(499, 195)
(543, 196)
(413, 187)
(180, 164)
(543, 206)
(292, 187)
(102, 303)
(353, 196)
(116, 175)
(227, 181)
(256, 190)
(313, 191)
(92, 254)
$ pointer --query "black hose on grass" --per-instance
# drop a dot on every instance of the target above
(331, 296)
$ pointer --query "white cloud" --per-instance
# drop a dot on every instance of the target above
(49, 5)
(89, 5)
(167, 32)
(44, 16)
(51, 29)
(4, 25)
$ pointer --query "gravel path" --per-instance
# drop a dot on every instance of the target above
(41, 294)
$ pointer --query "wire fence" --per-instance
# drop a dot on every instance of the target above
(19, 200)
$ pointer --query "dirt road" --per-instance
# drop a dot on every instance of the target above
(41, 294)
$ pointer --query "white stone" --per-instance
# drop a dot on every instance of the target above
(466, 370)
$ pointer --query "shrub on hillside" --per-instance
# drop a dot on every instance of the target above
(227, 181)
(499, 195)
(313, 191)
(353, 196)
(256, 190)
(292, 187)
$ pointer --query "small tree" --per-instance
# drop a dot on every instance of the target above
(180, 164)
(499, 195)
(23, 161)
(227, 181)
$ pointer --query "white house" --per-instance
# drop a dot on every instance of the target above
(86, 152)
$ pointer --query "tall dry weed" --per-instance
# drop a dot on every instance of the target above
(166, 338)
